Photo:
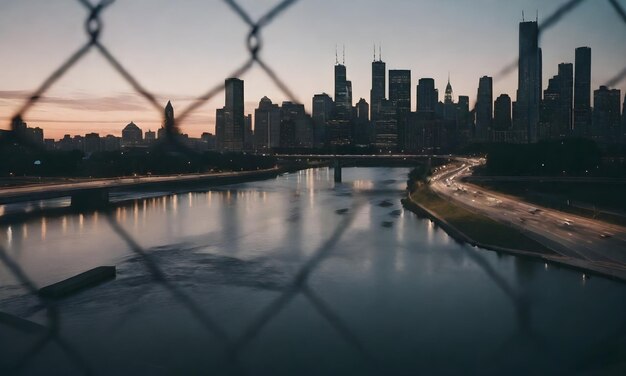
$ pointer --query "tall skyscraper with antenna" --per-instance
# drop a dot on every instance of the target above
(343, 90)
(379, 83)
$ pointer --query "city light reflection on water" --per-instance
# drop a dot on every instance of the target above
(397, 281)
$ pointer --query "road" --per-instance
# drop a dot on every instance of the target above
(580, 241)
(46, 191)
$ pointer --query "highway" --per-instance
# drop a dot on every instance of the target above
(47, 191)
(579, 241)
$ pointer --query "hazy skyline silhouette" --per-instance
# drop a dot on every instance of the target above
(180, 49)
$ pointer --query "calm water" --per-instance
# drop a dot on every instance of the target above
(394, 295)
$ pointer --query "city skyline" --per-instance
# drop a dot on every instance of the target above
(107, 110)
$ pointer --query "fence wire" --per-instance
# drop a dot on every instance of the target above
(299, 286)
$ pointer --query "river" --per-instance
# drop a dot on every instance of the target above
(211, 286)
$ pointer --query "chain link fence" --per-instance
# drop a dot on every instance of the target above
(299, 284)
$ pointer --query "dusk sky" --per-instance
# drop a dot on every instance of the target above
(180, 49)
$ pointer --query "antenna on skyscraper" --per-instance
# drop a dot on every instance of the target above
(374, 51)
(523, 16)
(336, 56)
(380, 51)
(537, 18)
(344, 54)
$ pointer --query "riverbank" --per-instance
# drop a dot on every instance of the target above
(475, 229)
(472, 228)
(173, 185)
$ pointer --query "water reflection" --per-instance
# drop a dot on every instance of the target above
(44, 228)
(403, 289)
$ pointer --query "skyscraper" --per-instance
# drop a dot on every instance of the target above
(220, 123)
(362, 133)
(582, 92)
(426, 95)
(606, 115)
(266, 125)
(529, 80)
(233, 116)
(248, 134)
(377, 93)
(400, 89)
(322, 112)
(168, 128)
(549, 118)
(343, 93)
(290, 115)
(484, 108)
(624, 121)
(450, 109)
(448, 98)
(502, 113)
(464, 116)
(400, 98)
(566, 87)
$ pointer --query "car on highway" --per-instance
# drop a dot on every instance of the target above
(534, 210)
(605, 235)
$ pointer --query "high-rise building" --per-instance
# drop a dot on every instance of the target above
(362, 110)
(168, 123)
(549, 118)
(427, 96)
(450, 109)
(582, 92)
(566, 82)
(529, 80)
(464, 115)
(400, 98)
(556, 115)
(322, 113)
(266, 125)
(220, 125)
(400, 89)
(291, 114)
(131, 135)
(230, 120)
(377, 93)
(343, 93)
(448, 98)
(362, 132)
(606, 115)
(248, 134)
(624, 121)
(386, 127)
(502, 113)
(484, 108)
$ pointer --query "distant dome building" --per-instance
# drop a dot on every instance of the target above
(132, 135)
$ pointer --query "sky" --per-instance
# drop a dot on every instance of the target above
(179, 49)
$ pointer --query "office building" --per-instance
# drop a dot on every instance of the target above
(529, 81)
(484, 109)
(582, 92)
